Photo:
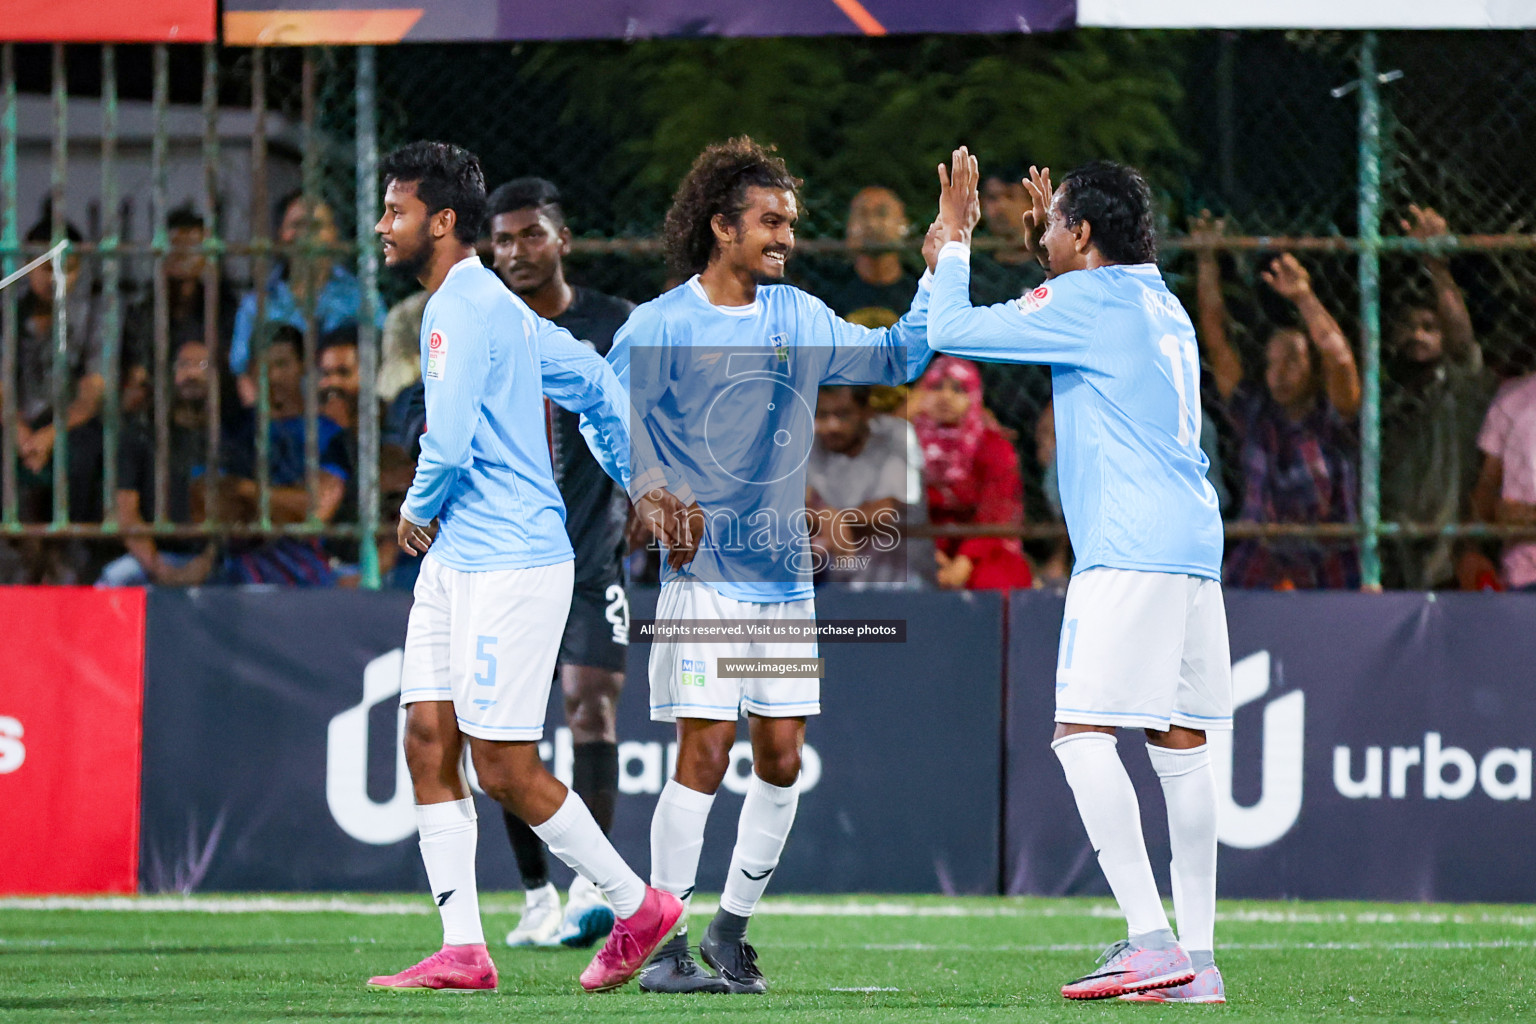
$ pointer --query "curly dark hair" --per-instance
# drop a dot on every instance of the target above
(717, 183)
(447, 178)
(1115, 199)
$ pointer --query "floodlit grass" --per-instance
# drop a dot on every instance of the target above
(864, 958)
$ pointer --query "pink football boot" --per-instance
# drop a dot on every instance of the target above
(1206, 988)
(1125, 968)
(450, 969)
(632, 941)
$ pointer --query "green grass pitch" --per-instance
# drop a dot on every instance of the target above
(856, 959)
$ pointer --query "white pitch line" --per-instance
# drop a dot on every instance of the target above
(866, 988)
(882, 908)
(927, 947)
(1269, 947)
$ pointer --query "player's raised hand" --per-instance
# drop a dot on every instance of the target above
(959, 196)
(1287, 277)
(1038, 185)
(414, 539)
(933, 241)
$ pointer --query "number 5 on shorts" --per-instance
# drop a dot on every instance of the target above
(488, 677)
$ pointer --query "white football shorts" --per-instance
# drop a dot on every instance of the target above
(487, 641)
(1144, 650)
(685, 682)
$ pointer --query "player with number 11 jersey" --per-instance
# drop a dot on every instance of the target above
(1144, 631)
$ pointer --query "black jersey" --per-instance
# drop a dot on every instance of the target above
(595, 506)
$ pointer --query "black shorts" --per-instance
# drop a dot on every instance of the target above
(597, 631)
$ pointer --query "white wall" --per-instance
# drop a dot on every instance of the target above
(83, 187)
(1326, 14)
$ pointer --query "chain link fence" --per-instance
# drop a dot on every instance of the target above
(1264, 130)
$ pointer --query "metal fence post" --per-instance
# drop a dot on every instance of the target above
(10, 238)
(367, 332)
(160, 361)
(111, 290)
(1370, 314)
(213, 248)
(60, 290)
(261, 249)
(301, 273)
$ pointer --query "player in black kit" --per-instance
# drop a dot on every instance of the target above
(530, 240)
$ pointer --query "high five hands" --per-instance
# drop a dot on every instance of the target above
(960, 203)
(1038, 185)
(959, 197)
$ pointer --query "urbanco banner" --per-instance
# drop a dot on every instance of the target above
(1381, 750)
(273, 757)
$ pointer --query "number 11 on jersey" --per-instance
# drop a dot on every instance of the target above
(1184, 360)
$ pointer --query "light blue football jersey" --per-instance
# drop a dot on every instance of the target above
(484, 472)
(1125, 378)
(724, 407)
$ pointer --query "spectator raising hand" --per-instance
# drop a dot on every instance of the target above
(1290, 280)
(1295, 429)
(1433, 396)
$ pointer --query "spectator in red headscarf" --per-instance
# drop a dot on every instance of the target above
(973, 477)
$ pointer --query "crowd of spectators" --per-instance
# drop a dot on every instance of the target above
(924, 487)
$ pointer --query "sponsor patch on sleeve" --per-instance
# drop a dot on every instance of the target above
(437, 355)
(1034, 300)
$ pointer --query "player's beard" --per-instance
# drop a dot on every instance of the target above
(762, 275)
(411, 266)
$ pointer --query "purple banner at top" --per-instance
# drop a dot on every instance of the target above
(309, 22)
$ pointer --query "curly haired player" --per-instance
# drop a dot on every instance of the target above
(723, 372)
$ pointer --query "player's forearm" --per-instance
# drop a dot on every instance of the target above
(954, 325)
(912, 344)
(445, 452)
(429, 489)
(609, 444)
(605, 420)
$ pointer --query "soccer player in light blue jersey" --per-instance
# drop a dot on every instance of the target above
(496, 576)
(723, 373)
(1144, 637)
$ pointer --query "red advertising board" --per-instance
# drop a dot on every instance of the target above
(95, 21)
(71, 698)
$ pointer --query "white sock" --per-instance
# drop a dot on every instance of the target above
(1107, 803)
(766, 817)
(677, 836)
(571, 834)
(448, 836)
(1189, 789)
